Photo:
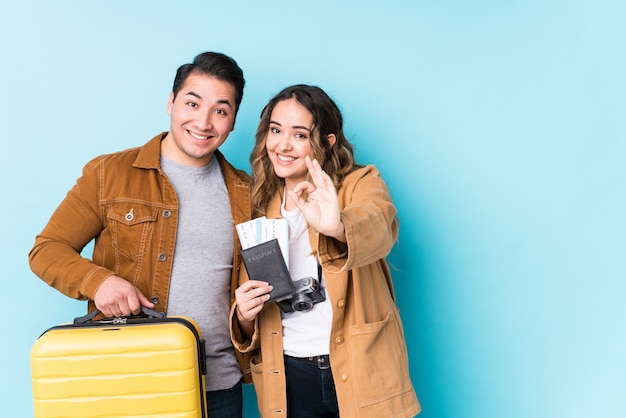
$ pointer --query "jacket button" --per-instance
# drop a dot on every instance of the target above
(162, 257)
(341, 303)
(339, 340)
(167, 213)
(155, 300)
(344, 377)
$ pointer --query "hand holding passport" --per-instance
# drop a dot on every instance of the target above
(265, 248)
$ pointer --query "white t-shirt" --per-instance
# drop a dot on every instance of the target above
(304, 333)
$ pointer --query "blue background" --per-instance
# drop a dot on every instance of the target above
(499, 127)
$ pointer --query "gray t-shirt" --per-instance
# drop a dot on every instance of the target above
(203, 261)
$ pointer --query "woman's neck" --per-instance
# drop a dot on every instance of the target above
(289, 203)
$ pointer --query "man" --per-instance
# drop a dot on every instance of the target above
(162, 216)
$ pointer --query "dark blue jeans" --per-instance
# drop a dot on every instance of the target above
(227, 403)
(310, 390)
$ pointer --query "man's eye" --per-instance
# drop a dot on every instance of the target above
(192, 104)
(221, 112)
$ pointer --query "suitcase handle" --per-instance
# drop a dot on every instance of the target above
(150, 313)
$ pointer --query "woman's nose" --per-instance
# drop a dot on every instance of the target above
(284, 142)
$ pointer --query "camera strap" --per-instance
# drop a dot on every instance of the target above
(319, 273)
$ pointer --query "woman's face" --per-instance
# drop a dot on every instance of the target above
(288, 141)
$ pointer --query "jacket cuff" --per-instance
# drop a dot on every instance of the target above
(240, 341)
(93, 281)
(334, 254)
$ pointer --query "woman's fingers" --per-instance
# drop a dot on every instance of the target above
(250, 298)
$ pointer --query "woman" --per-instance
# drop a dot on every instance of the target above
(346, 356)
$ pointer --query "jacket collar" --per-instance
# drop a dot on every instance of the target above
(150, 154)
(275, 203)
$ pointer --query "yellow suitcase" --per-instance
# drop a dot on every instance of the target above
(139, 366)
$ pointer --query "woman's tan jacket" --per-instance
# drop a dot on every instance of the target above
(368, 352)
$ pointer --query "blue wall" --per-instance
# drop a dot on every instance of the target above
(499, 127)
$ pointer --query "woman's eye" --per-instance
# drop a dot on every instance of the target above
(301, 136)
(275, 130)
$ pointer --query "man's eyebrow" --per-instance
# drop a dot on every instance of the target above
(194, 94)
(197, 96)
(293, 127)
(226, 102)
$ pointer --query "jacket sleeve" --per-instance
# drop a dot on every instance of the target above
(369, 218)
(55, 256)
(241, 343)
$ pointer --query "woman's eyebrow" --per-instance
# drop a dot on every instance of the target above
(293, 127)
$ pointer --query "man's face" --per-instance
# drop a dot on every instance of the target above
(201, 117)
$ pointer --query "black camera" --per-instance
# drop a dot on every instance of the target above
(307, 292)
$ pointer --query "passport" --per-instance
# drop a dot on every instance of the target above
(259, 230)
(265, 262)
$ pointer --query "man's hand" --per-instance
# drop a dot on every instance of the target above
(117, 297)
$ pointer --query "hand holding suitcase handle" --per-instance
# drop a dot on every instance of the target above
(116, 297)
(150, 313)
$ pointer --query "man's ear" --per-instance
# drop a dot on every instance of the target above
(331, 139)
(170, 103)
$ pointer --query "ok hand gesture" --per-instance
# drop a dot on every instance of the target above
(321, 209)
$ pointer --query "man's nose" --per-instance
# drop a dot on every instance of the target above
(205, 120)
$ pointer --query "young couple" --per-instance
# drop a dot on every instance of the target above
(346, 356)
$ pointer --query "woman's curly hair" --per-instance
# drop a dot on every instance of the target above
(336, 160)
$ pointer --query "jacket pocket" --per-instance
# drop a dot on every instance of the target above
(379, 360)
(131, 226)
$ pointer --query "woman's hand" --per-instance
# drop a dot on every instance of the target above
(250, 298)
(321, 209)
